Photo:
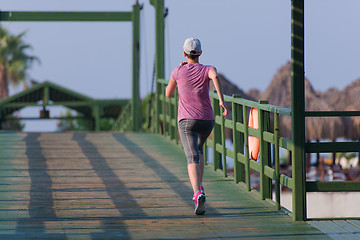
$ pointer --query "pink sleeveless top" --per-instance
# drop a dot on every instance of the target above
(193, 88)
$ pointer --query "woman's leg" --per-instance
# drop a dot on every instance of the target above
(194, 175)
(189, 138)
(204, 132)
(201, 166)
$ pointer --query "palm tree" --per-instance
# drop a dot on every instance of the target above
(14, 61)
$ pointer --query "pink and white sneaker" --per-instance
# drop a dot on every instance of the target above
(201, 190)
(199, 201)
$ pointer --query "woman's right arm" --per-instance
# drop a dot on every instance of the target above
(170, 88)
(214, 77)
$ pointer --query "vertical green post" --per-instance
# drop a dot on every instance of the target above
(237, 140)
(176, 115)
(96, 116)
(265, 183)
(246, 147)
(216, 135)
(223, 144)
(164, 109)
(46, 96)
(160, 52)
(276, 160)
(298, 110)
(136, 108)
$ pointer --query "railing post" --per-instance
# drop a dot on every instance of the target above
(160, 53)
(246, 147)
(238, 140)
(216, 135)
(157, 108)
(176, 115)
(276, 160)
(172, 116)
(96, 116)
(136, 106)
(164, 123)
(298, 110)
(223, 143)
(265, 183)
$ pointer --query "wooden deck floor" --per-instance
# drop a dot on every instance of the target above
(122, 186)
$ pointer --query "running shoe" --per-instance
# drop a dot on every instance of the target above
(199, 202)
(201, 190)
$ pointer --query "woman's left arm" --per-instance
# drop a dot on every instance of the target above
(170, 89)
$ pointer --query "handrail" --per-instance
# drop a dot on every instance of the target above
(239, 125)
(268, 164)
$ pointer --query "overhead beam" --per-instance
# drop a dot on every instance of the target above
(67, 103)
(65, 16)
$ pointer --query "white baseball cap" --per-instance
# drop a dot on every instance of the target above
(192, 46)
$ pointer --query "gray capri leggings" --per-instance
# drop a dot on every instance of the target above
(193, 134)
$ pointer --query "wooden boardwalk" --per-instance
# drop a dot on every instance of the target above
(122, 186)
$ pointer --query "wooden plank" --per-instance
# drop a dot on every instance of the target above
(328, 230)
(336, 229)
(348, 226)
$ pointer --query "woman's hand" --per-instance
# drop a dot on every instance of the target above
(183, 63)
(221, 104)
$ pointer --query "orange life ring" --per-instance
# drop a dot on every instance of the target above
(253, 141)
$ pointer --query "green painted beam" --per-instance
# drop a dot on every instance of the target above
(336, 186)
(65, 16)
(332, 113)
(249, 103)
(67, 103)
(328, 147)
(50, 118)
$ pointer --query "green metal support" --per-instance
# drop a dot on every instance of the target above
(276, 160)
(238, 140)
(246, 146)
(65, 16)
(46, 96)
(265, 190)
(216, 134)
(223, 144)
(133, 16)
(160, 53)
(136, 106)
(96, 117)
(298, 110)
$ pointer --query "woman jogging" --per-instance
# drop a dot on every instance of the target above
(195, 114)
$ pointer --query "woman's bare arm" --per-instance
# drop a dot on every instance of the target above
(214, 77)
(170, 89)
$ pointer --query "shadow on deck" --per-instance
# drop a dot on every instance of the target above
(121, 186)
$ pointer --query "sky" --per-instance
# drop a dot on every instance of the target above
(247, 41)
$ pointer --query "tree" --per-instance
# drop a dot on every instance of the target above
(14, 61)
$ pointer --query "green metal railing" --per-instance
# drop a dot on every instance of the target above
(332, 147)
(267, 166)
(268, 163)
(125, 121)
(166, 112)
